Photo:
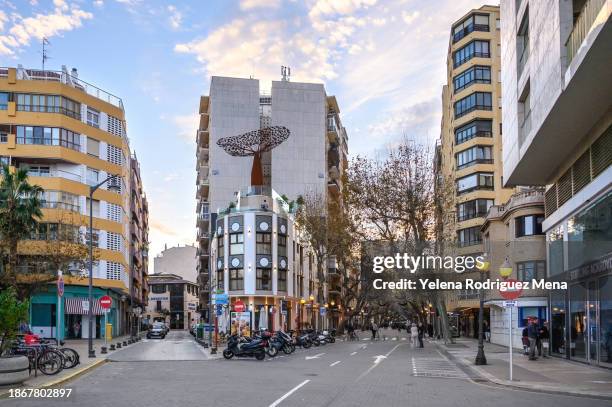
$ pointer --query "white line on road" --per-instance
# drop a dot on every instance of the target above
(317, 356)
(376, 363)
(335, 363)
(289, 393)
(354, 353)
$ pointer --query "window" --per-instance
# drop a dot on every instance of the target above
(282, 245)
(48, 104)
(93, 117)
(93, 176)
(282, 280)
(475, 101)
(529, 225)
(158, 306)
(522, 43)
(60, 200)
(71, 108)
(264, 243)
(93, 147)
(236, 279)
(473, 209)
(475, 49)
(48, 136)
(474, 155)
(236, 243)
(158, 288)
(469, 236)
(526, 312)
(96, 237)
(56, 231)
(220, 279)
(476, 128)
(479, 180)
(220, 245)
(4, 99)
(264, 279)
(95, 209)
(475, 74)
(530, 270)
(475, 22)
(39, 171)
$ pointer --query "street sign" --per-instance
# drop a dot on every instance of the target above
(509, 304)
(219, 310)
(60, 286)
(322, 310)
(220, 299)
(511, 294)
(283, 307)
(239, 306)
(106, 302)
(85, 305)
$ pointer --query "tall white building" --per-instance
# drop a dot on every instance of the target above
(557, 132)
(312, 159)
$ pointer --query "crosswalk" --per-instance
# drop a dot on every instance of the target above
(436, 367)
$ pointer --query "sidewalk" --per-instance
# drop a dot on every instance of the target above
(86, 364)
(550, 374)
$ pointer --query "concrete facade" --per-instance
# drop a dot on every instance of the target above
(180, 260)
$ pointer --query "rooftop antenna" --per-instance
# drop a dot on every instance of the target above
(285, 73)
(45, 42)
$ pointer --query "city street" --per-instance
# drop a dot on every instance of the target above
(389, 373)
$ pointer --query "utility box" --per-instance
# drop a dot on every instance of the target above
(108, 332)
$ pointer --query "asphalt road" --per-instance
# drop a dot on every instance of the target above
(383, 373)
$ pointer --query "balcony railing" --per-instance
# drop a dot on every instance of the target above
(50, 109)
(471, 215)
(469, 29)
(474, 162)
(471, 109)
(48, 142)
(460, 62)
(582, 26)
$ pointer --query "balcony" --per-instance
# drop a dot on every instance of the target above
(203, 138)
(474, 162)
(333, 187)
(204, 104)
(582, 26)
(468, 30)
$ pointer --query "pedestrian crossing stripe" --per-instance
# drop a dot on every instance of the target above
(436, 368)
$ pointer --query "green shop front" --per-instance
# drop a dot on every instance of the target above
(73, 318)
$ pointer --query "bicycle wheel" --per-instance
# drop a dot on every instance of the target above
(51, 362)
(71, 357)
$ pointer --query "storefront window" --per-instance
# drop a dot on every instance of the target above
(555, 251)
(578, 321)
(605, 316)
(557, 330)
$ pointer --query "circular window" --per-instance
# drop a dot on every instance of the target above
(264, 226)
(219, 264)
(235, 262)
(264, 262)
(219, 230)
(283, 263)
(283, 229)
(235, 226)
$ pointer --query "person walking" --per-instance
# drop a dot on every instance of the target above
(544, 336)
(414, 333)
(373, 328)
(532, 335)
(421, 334)
(487, 331)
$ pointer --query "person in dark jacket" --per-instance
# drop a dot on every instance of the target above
(421, 331)
(532, 334)
(544, 337)
(525, 340)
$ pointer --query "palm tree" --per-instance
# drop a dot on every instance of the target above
(19, 214)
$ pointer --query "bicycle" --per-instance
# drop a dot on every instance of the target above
(71, 356)
(48, 361)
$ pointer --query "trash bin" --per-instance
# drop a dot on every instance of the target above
(108, 332)
(200, 331)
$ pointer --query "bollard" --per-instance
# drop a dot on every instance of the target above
(112, 347)
(118, 345)
(103, 349)
(125, 343)
(130, 341)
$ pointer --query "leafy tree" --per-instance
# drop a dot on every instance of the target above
(20, 211)
(12, 313)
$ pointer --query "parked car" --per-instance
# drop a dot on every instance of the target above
(158, 330)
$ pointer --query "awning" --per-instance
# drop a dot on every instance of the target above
(75, 306)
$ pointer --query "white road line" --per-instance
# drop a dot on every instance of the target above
(354, 353)
(335, 363)
(289, 393)
(317, 356)
(377, 364)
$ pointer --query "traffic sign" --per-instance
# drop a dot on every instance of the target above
(220, 299)
(239, 306)
(322, 310)
(106, 302)
(219, 310)
(509, 304)
(60, 286)
(511, 293)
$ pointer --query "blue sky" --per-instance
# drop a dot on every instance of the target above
(384, 61)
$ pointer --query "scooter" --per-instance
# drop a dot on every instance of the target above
(286, 342)
(330, 336)
(242, 347)
(302, 340)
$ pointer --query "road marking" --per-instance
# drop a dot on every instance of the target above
(335, 363)
(354, 353)
(317, 356)
(379, 358)
(289, 393)
(394, 338)
(376, 363)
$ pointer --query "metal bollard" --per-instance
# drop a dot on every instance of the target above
(112, 347)
(118, 345)
(103, 349)
(125, 343)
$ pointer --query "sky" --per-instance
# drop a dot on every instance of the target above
(385, 60)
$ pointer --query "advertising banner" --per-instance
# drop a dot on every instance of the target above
(241, 323)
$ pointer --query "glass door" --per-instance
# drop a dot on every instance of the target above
(593, 333)
(578, 322)
(605, 318)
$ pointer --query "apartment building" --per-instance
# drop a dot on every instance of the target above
(469, 154)
(557, 123)
(139, 242)
(311, 160)
(71, 135)
(172, 300)
(179, 260)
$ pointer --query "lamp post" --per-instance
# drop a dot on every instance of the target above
(480, 356)
(312, 315)
(113, 186)
(302, 302)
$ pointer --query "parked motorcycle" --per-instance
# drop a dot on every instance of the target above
(242, 347)
(302, 340)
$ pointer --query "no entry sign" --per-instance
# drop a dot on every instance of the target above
(239, 306)
(106, 302)
(511, 293)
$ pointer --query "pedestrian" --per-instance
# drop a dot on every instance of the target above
(414, 333)
(525, 340)
(544, 336)
(373, 328)
(532, 334)
(421, 333)
(487, 331)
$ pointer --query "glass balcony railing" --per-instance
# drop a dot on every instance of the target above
(582, 26)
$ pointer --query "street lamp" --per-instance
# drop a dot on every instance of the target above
(114, 187)
(302, 302)
(483, 268)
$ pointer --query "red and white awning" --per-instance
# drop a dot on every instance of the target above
(75, 306)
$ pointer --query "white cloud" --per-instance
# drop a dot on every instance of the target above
(419, 121)
(252, 4)
(98, 3)
(186, 126)
(65, 17)
(343, 7)
(175, 17)
(410, 17)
